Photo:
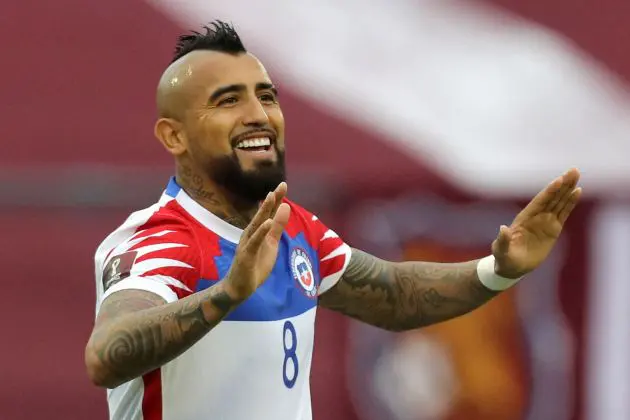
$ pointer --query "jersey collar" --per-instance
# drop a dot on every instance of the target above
(199, 213)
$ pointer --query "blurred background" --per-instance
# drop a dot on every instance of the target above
(415, 128)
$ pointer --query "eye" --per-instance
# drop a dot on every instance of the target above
(269, 98)
(230, 100)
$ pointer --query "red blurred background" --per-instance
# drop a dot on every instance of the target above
(77, 113)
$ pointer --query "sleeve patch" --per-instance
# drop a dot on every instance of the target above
(118, 268)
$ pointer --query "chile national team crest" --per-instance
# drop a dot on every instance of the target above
(302, 270)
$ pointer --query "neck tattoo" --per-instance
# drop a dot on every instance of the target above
(192, 183)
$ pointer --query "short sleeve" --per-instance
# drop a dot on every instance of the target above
(161, 259)
(333, 253)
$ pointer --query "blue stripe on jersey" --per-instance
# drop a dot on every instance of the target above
(172, 188)
(281, 296)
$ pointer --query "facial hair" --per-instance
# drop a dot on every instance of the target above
(250, 186)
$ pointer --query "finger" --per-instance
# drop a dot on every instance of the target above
(548, 197)
(280, 221)
(574, 173)
(263, 213)
(564, 214)
(501, 245)
(569, 181)
(553, 203)
(256, 239)
(540, 202)
(563, 200)
(280, 192)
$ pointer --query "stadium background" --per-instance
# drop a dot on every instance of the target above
(415, 128)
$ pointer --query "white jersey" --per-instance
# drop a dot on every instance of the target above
(256, 363)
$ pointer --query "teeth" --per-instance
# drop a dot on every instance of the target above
(257, 142)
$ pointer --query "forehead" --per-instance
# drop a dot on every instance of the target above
(211, 69)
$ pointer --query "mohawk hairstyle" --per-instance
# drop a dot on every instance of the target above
(218, 36)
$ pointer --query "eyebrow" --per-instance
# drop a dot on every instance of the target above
(239, 88)
(226, 89)
(267, 86)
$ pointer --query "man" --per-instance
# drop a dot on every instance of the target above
(206, 300)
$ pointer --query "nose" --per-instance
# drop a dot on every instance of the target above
(255, 114)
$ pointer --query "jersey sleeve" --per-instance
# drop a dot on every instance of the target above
(162, 259)
(334, 255)
(332, 252)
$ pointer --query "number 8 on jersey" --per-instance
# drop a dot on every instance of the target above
(289, 341)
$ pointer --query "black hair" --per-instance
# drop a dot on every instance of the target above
(218, 36)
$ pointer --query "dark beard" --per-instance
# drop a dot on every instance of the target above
(249, 186)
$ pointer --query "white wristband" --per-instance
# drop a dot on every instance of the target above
(490, 279)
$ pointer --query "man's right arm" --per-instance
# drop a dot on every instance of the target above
(136, 331)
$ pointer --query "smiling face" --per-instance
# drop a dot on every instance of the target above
(223, 111)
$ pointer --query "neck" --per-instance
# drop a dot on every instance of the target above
(214, 198)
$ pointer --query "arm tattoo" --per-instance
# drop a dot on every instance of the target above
(137, 332)
(403, 296)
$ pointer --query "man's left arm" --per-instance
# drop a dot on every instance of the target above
(407, 295)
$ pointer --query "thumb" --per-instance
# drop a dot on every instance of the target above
(501, 245)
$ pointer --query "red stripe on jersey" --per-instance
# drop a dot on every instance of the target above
(295, 225)
(332, 266)
(210, 248)
(152, 399)
(303, 221)
(170, 228)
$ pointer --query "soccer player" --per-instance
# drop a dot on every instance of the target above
(206, 300)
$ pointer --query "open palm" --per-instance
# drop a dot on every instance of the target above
(257, 250)
(527, 242)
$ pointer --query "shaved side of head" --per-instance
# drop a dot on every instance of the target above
(175, 88)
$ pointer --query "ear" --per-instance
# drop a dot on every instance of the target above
(170, 133)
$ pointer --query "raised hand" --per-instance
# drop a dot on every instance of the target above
(525, 244)
(258, 248)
